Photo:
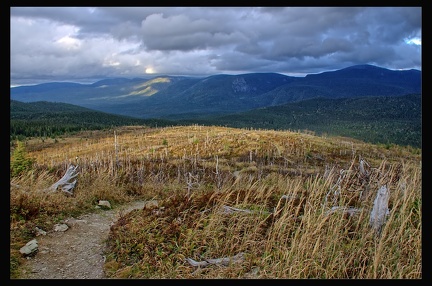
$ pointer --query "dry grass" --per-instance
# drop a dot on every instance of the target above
(284, 184)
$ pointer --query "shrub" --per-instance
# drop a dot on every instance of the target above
(20, 161)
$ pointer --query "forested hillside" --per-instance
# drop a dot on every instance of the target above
(385, 120)
(379, 120)
(47, 119)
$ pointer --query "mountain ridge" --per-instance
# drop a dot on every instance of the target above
(164, 96)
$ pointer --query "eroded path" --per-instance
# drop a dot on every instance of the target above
(78, 252)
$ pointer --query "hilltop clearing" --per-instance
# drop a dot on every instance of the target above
(230, 203)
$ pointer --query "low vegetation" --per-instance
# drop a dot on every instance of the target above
(289, 204)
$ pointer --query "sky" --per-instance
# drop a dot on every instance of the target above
(85, 44)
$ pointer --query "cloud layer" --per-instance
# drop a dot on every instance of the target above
(77, 43)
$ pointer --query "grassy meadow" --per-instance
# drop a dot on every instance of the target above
(241, 203)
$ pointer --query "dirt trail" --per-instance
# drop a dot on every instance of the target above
(78, 252)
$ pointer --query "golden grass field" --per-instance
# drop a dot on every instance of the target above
(224, 192)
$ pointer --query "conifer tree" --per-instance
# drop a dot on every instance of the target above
(20, 161)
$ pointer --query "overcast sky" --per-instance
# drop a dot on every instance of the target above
(84, 44)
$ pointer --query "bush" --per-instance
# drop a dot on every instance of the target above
(20, 161)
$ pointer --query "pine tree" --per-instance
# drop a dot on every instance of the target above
(20, 161)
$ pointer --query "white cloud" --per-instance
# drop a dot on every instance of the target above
(71, 42)
(414, 41)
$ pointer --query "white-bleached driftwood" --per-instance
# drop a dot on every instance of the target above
(380, 209)
(64, 183)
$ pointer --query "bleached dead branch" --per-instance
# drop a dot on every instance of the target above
(289, 197)
(229, 210)
(346, 210)
(191, 182)
(336, 188)
(380, 209)
(223, 261)
(363, 172)
(218, 175)
(64, 183)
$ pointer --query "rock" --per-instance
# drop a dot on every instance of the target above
(253, 274)
(105, 204)
(61, 227)
(30, 248)
(39, 231)
(73, 221)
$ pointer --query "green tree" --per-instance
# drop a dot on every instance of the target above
(20, 161)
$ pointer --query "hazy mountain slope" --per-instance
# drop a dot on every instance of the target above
(218, 94)
(224, 94)
(360, 80)
(409, 79)
(160, 100)
(167, 96)
(104, 92)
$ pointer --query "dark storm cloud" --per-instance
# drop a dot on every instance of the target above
(85, 42)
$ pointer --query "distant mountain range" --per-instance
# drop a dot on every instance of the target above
(178, 97)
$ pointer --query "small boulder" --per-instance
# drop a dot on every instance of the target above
(61, 227)
(40, 231)
(30, 248)
(104, 204)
